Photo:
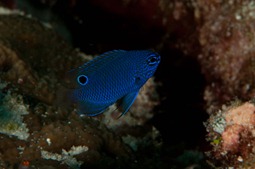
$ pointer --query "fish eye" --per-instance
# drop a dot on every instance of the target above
(153, 59)
(82, 80)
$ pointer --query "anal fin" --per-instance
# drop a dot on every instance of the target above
(91, 109)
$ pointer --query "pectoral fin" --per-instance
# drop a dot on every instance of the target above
(127, 101)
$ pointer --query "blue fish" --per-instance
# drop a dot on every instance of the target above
(115, 76)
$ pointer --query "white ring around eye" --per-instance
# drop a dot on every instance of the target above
(82, 80)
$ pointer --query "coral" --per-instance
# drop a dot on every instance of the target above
(12, 111)
(226, 36)
(150, 138)
(235, 147)
(14, 69)
(72, 139)
(225, 31)
(66, 156)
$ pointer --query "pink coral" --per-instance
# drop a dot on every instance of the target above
(238, 135)
(231, 137)
(238, 120)
(242, 115)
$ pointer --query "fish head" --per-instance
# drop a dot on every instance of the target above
(146, 65)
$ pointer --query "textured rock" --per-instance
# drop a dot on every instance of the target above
(227, 56)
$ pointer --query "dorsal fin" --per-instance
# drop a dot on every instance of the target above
(101, 59)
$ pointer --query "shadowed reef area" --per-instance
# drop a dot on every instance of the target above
(196, 112)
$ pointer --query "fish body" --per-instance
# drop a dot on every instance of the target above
(113, 76)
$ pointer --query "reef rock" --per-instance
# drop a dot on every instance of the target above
(33, 60)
